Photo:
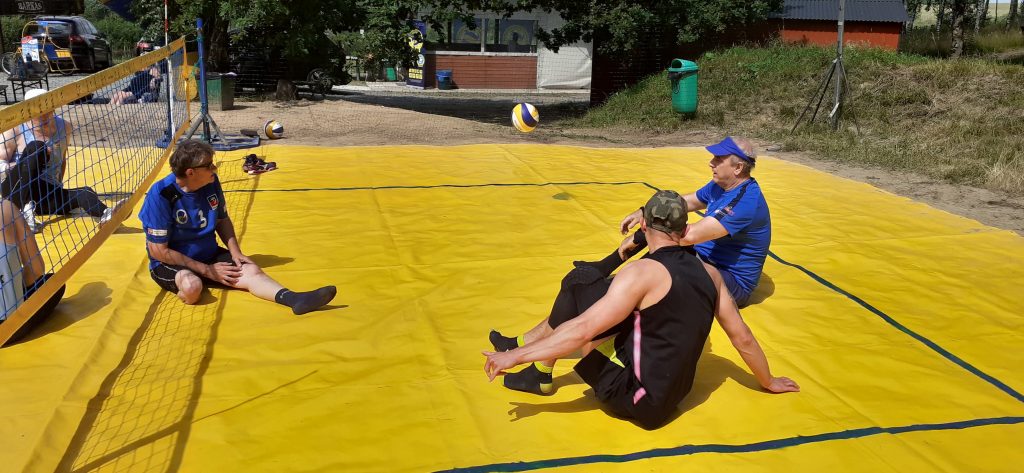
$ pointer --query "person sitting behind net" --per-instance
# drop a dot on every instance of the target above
(34, 154)
(144, 87)
(182, 216)
(21, 268)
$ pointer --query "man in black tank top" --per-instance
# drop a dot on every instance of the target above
(641, 333)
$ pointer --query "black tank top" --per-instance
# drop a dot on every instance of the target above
(668, 337)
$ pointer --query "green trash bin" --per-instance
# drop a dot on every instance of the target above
(682, 74)
(220, 91)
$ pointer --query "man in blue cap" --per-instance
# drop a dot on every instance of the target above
(736, 230)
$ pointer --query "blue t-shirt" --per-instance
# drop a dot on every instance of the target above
(186, 221)
(744, 214)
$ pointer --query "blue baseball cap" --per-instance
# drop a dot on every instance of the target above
(728, 147)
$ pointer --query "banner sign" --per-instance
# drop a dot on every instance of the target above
(416, 40)
(42, 7)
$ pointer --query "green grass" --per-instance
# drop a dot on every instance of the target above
(991, 40)
(960, 121)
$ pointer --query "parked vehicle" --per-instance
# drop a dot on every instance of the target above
(145, 45)
(89, 48)
(258, 66)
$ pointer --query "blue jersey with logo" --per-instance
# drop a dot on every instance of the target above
(186, 221)
(744, 214)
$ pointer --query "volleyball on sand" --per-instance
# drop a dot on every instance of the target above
(525, 117)
(273, 129)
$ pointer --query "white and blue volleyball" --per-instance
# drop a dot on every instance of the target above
(273, 129)
(525, 117)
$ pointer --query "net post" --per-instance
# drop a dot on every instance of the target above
(203, 104)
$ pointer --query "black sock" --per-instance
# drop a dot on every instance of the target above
(535, 378)
(302, 302)
(641, 242)
(605, 266)
(501, 342)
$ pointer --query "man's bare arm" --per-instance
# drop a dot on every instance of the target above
(693, 203)
(743, 340)
(707, 229)
(223, 273)
(9, 146)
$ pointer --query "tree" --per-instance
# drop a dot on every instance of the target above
(1013, 19)
(957, 11)
(297, 27)
(121, 33)
(621, 25)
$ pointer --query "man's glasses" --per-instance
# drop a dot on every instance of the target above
(211, 166)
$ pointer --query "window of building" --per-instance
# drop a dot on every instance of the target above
(485, 35)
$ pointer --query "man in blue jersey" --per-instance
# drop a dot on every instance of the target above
(642, 332)
(183, 215)
(736, 230)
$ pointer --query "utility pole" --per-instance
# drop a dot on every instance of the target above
(840, 71)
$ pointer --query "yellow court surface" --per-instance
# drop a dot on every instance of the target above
(901, 323)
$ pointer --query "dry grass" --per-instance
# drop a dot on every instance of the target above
(960, 121)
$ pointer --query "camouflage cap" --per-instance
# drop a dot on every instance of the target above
(666, 211)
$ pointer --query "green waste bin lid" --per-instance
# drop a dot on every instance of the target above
(682, 65)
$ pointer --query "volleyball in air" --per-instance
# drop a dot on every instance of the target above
(525, 117)
(273, 129)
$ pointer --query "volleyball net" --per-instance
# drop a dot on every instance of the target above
(74, 161)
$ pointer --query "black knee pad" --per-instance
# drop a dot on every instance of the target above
(582, 274)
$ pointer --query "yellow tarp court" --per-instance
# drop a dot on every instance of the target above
(900, 322)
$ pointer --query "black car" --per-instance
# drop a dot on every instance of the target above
(89, 48)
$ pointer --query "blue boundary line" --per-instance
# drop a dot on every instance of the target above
(916, 336)
(452, 186)
(740, 448)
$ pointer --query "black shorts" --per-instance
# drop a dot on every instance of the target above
(615, 387)
(164, 274)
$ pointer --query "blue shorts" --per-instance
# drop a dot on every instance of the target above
(740, 295)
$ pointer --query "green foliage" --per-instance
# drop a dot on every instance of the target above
(303, 30)
(388, 24)
(121, 33)
(12, 26)
(353, 42)
(996, 39)
(944, 118)
(991, 39)
(620, 26)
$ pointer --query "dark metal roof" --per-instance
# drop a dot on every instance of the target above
(855, 10)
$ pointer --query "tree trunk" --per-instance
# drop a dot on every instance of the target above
(1013, 19)
(984, 15)
(979, 13)
(939, 11)
(911, 14)
(285, 90)
(958, 29)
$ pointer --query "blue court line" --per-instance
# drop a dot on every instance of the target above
(453, 186)
(741, 448)
(903, 328)
(916, 336)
